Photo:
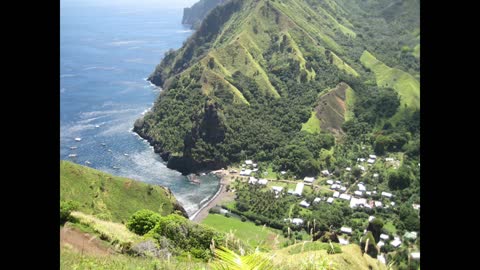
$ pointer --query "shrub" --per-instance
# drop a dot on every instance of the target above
(66, 208)
(243, 219)
(142, 221)
(227, 215)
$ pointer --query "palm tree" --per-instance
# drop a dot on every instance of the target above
(228, 259)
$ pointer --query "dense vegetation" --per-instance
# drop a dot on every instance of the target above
(245, 82)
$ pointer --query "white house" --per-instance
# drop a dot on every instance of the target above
(369, 193)
(410, 235)
(370, 218)
(299, 189)
(246, 172)
(361, 167)
(381, 259)
(291, 191)
(317, 200)
(330, 182)
(338, 182)
(378, 204)
(263, 182)
(283, 172)
(415, 255)
(396, 242)
(380, 244)
(416, 206)
(348, 169)
(335, 186)
(358, 193)
(361, 159)
(389, 159)
(356, 202)
(371, 161)
(375, 175)
(346, 230)
(277, 189)
(330, 200)
(361, 187)
(372, 156)
(392, 203)
(336, 194)
(248, 162)
(343, 241)
(254, 165)
(325, 172)
(386, 194)
(304, 204)
(345, 197)
(384, 237)
(309, 179)
(255, 170)
(343, 189)
(252, 180)
(297, 221)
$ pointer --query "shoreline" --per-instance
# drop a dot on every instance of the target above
(220, 196)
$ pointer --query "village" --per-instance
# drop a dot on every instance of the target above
(359, 195)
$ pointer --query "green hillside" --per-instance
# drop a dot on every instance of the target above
(405, 84)
(111, 197)
(250, 75)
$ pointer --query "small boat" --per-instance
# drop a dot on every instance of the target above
(72, 155)
(109, 150)
(73, 147)
(78, 139)
(203, 174)
(193, 179)
(97, 126)
(88, 162)
(125, 154)
(103, 144)
(116, 168)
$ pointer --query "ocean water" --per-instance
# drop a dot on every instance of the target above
(106, 53)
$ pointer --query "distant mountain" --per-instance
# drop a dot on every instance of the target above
(195, 14)
(248, 79)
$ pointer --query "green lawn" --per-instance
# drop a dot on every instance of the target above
(312, 125)
(247, 231)
(405, 84)
(390, 227)
(270, 173)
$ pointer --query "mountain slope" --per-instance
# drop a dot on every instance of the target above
(196, 13)
(111, 197)
(268, 60)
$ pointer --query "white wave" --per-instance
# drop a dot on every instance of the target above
(183, 31)
(67, 75)
(205, 205)
(101, 68)
(135, 60)
(133, 48)
(126, 42)
(107, 112)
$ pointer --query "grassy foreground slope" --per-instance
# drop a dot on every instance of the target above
(251, 234)
(405, 84)
(111, 197)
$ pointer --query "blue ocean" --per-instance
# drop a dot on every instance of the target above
(106, 54)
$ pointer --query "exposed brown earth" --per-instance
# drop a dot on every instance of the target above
(83, 242)
(331, 109)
